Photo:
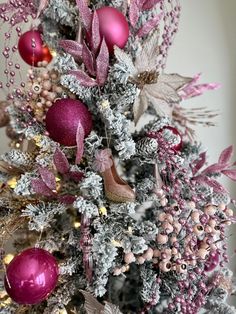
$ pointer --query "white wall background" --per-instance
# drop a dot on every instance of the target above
(206, 43)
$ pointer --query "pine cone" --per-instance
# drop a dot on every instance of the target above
(18, 158)
(147, 148)
(219, 198)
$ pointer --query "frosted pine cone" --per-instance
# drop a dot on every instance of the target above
(147, 148)
(18, 158)
(219, 198)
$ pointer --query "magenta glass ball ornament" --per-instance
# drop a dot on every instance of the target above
(32, 49)
(212, 262)
(62, 120)
(113, 27)
(31, 276)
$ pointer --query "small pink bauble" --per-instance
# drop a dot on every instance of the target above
(113, 27)
(212, 261)
(62, 120)
(32, 49)
(31, 276)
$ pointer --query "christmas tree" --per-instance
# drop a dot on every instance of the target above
(106, 193)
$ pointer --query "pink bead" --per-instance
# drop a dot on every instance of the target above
(156, 253)
(174, 251)
(140, 260)
(202, 253)
(212, 223)
(170, 218)
(229, 212)
(129, 258)
(195, 216)
(117, 271)
(162, 238)
(177, 226)
(165, 266)
(222, 207)
(162, 217)
(164, 202)
(208, 229)
(167, 227)
(148, 255)
(210, 210)
(47, 85)
(198, 229)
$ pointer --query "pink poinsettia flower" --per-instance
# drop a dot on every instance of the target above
(102, 160)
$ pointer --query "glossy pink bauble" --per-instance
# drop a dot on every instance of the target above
(31, 276)
(32, 49)
(178, 146)
(113, 27)
(62, 121)
(212, 262)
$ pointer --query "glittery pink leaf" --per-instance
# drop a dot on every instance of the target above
(61, 162)
(88, 59)
(226, 155)
(134, 12)
(39, 187)
(195, 79)
(198, 164)
(76, 175)
(72, 47)
(149, 4)
(96, 37)
(149, 25)
(80, 143)
(102, 63)
(230, 174)
(83, 78)
(42, 6)
(191, 90)
(215, 168)
(217, 187)
(66, 199)
(85, 13)
(48, 178)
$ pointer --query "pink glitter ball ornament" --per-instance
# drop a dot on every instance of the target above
(31, 276)
(113, 27)
(62, 120)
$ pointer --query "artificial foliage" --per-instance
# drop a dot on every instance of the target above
(133, 214)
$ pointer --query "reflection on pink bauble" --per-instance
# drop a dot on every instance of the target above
(31, 276)
(62, 121)
(113, 27)
(212, 262)
(32, 49)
